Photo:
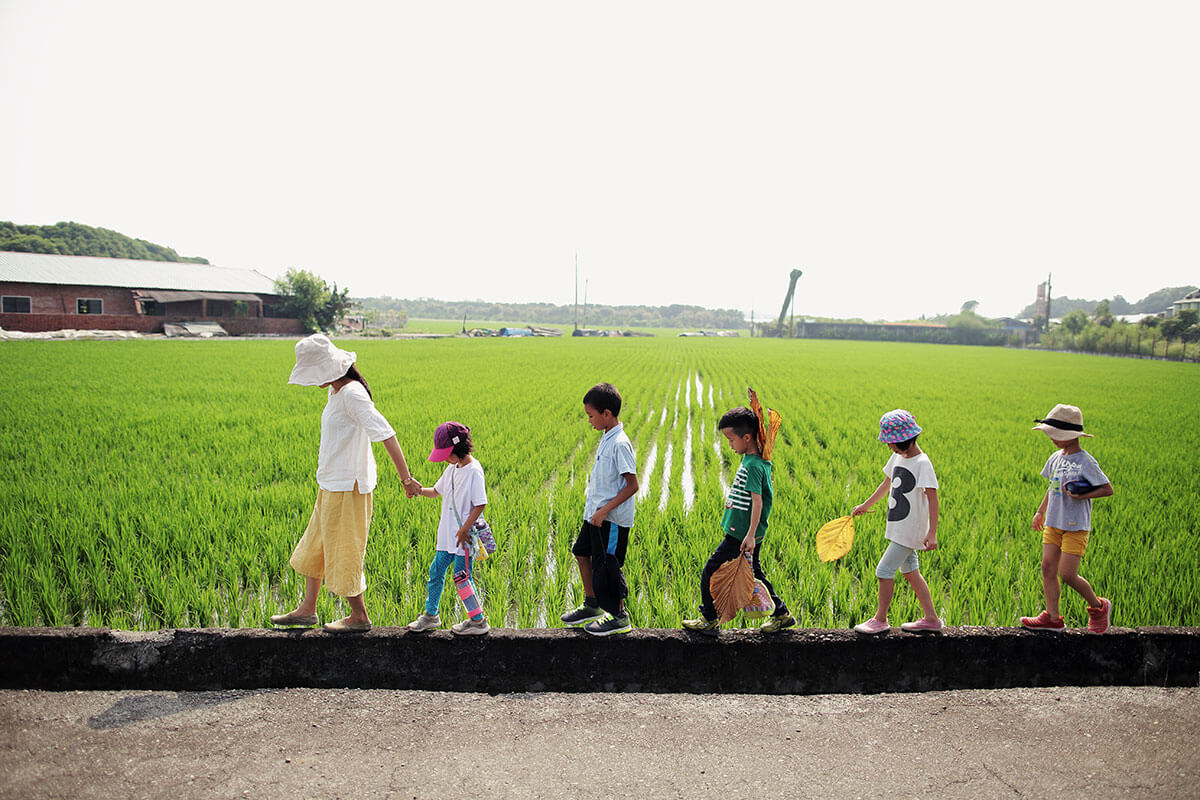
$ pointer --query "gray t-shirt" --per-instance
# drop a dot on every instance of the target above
(1063, 511)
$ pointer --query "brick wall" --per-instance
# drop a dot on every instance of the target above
(47, 299)
(53, 308)
(237, 326)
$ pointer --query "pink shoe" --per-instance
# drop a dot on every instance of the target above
(872, 627)
(922, 626)
(1099, 618)
(1043, 622)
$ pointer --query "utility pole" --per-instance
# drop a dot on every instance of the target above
(1047, 302)
(576, 290)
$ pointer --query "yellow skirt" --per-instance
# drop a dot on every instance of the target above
(335, 542)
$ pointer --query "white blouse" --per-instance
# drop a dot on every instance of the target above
(349, 424)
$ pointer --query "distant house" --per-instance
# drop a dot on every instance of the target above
(1189, 303)
(50, 292)
(1021, 329)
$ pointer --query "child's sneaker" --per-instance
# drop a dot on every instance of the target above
(872, 627)
(701, 624)
(1043, 622)
(1099, 618)
(582, 616)
(777, 622)
(425, 622)
(609, 626)
(922, 626)
(471, 627)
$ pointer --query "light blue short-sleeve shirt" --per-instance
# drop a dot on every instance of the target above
(614, 460)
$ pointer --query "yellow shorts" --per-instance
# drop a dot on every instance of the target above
(1071, 542)
(335, 542)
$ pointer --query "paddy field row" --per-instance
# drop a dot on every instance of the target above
(163, 484)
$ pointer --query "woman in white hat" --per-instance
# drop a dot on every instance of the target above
(335, 542)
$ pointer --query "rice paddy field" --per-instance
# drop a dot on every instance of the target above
(158, 484)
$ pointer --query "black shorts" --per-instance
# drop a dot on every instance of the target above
(593, 541)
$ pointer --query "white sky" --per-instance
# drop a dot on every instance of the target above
(907, 156)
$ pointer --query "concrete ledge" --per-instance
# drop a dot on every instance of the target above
(558, 660)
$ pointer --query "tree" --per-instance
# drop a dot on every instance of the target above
(306, 297)
(1148, 322)
(1177, 326)
(1075, 322)
(1102, 315)
(969, 307)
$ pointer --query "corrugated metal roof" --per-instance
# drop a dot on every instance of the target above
(171, 296)
(131, 273)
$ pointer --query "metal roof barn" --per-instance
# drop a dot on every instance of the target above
(130, 273)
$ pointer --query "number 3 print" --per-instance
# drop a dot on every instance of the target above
(907, 482)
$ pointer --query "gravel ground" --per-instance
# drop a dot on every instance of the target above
(1093, 742)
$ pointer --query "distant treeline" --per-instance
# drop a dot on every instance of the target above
(73, 239)
(1154, 303)
(673, 316)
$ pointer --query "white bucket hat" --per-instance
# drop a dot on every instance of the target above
(319, 361)
(1062, 423)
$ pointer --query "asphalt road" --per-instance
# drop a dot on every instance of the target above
(1090, 742)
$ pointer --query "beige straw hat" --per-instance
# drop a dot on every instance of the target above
(319, 361)
(1062, 423)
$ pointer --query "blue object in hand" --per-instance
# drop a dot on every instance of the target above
(1079, 486)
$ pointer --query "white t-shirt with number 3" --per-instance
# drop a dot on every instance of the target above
(908, 509)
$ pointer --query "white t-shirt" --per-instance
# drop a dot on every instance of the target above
(908, 509)
(349, 424)
(463, 487)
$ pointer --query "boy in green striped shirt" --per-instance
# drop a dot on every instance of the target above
(747, 508)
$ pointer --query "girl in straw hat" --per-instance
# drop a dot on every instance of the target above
(335, 540)
(1065, 519)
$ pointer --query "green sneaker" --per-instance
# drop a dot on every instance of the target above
(609, 626)
(777, 622)
(709, 627)
(582, 616)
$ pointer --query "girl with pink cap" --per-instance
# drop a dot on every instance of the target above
(335, 541)
(461, 488)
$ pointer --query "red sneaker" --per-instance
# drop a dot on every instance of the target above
(1099, 618)
(1044, 622)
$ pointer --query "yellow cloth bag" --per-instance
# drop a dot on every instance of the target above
(732, 587)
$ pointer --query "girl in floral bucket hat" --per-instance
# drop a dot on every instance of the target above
(335, 541)
(912, 521)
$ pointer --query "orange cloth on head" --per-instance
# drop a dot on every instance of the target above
(335, 542)
(768, 426)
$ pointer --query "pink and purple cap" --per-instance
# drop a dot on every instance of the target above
(897, 426)
(445, 437)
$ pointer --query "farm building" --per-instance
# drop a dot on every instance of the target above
(50, 292)
(1189, 303)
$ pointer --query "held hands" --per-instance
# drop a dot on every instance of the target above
(412, 487)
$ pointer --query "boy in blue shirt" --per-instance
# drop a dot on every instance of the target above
(608, 511)
(747, 508)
